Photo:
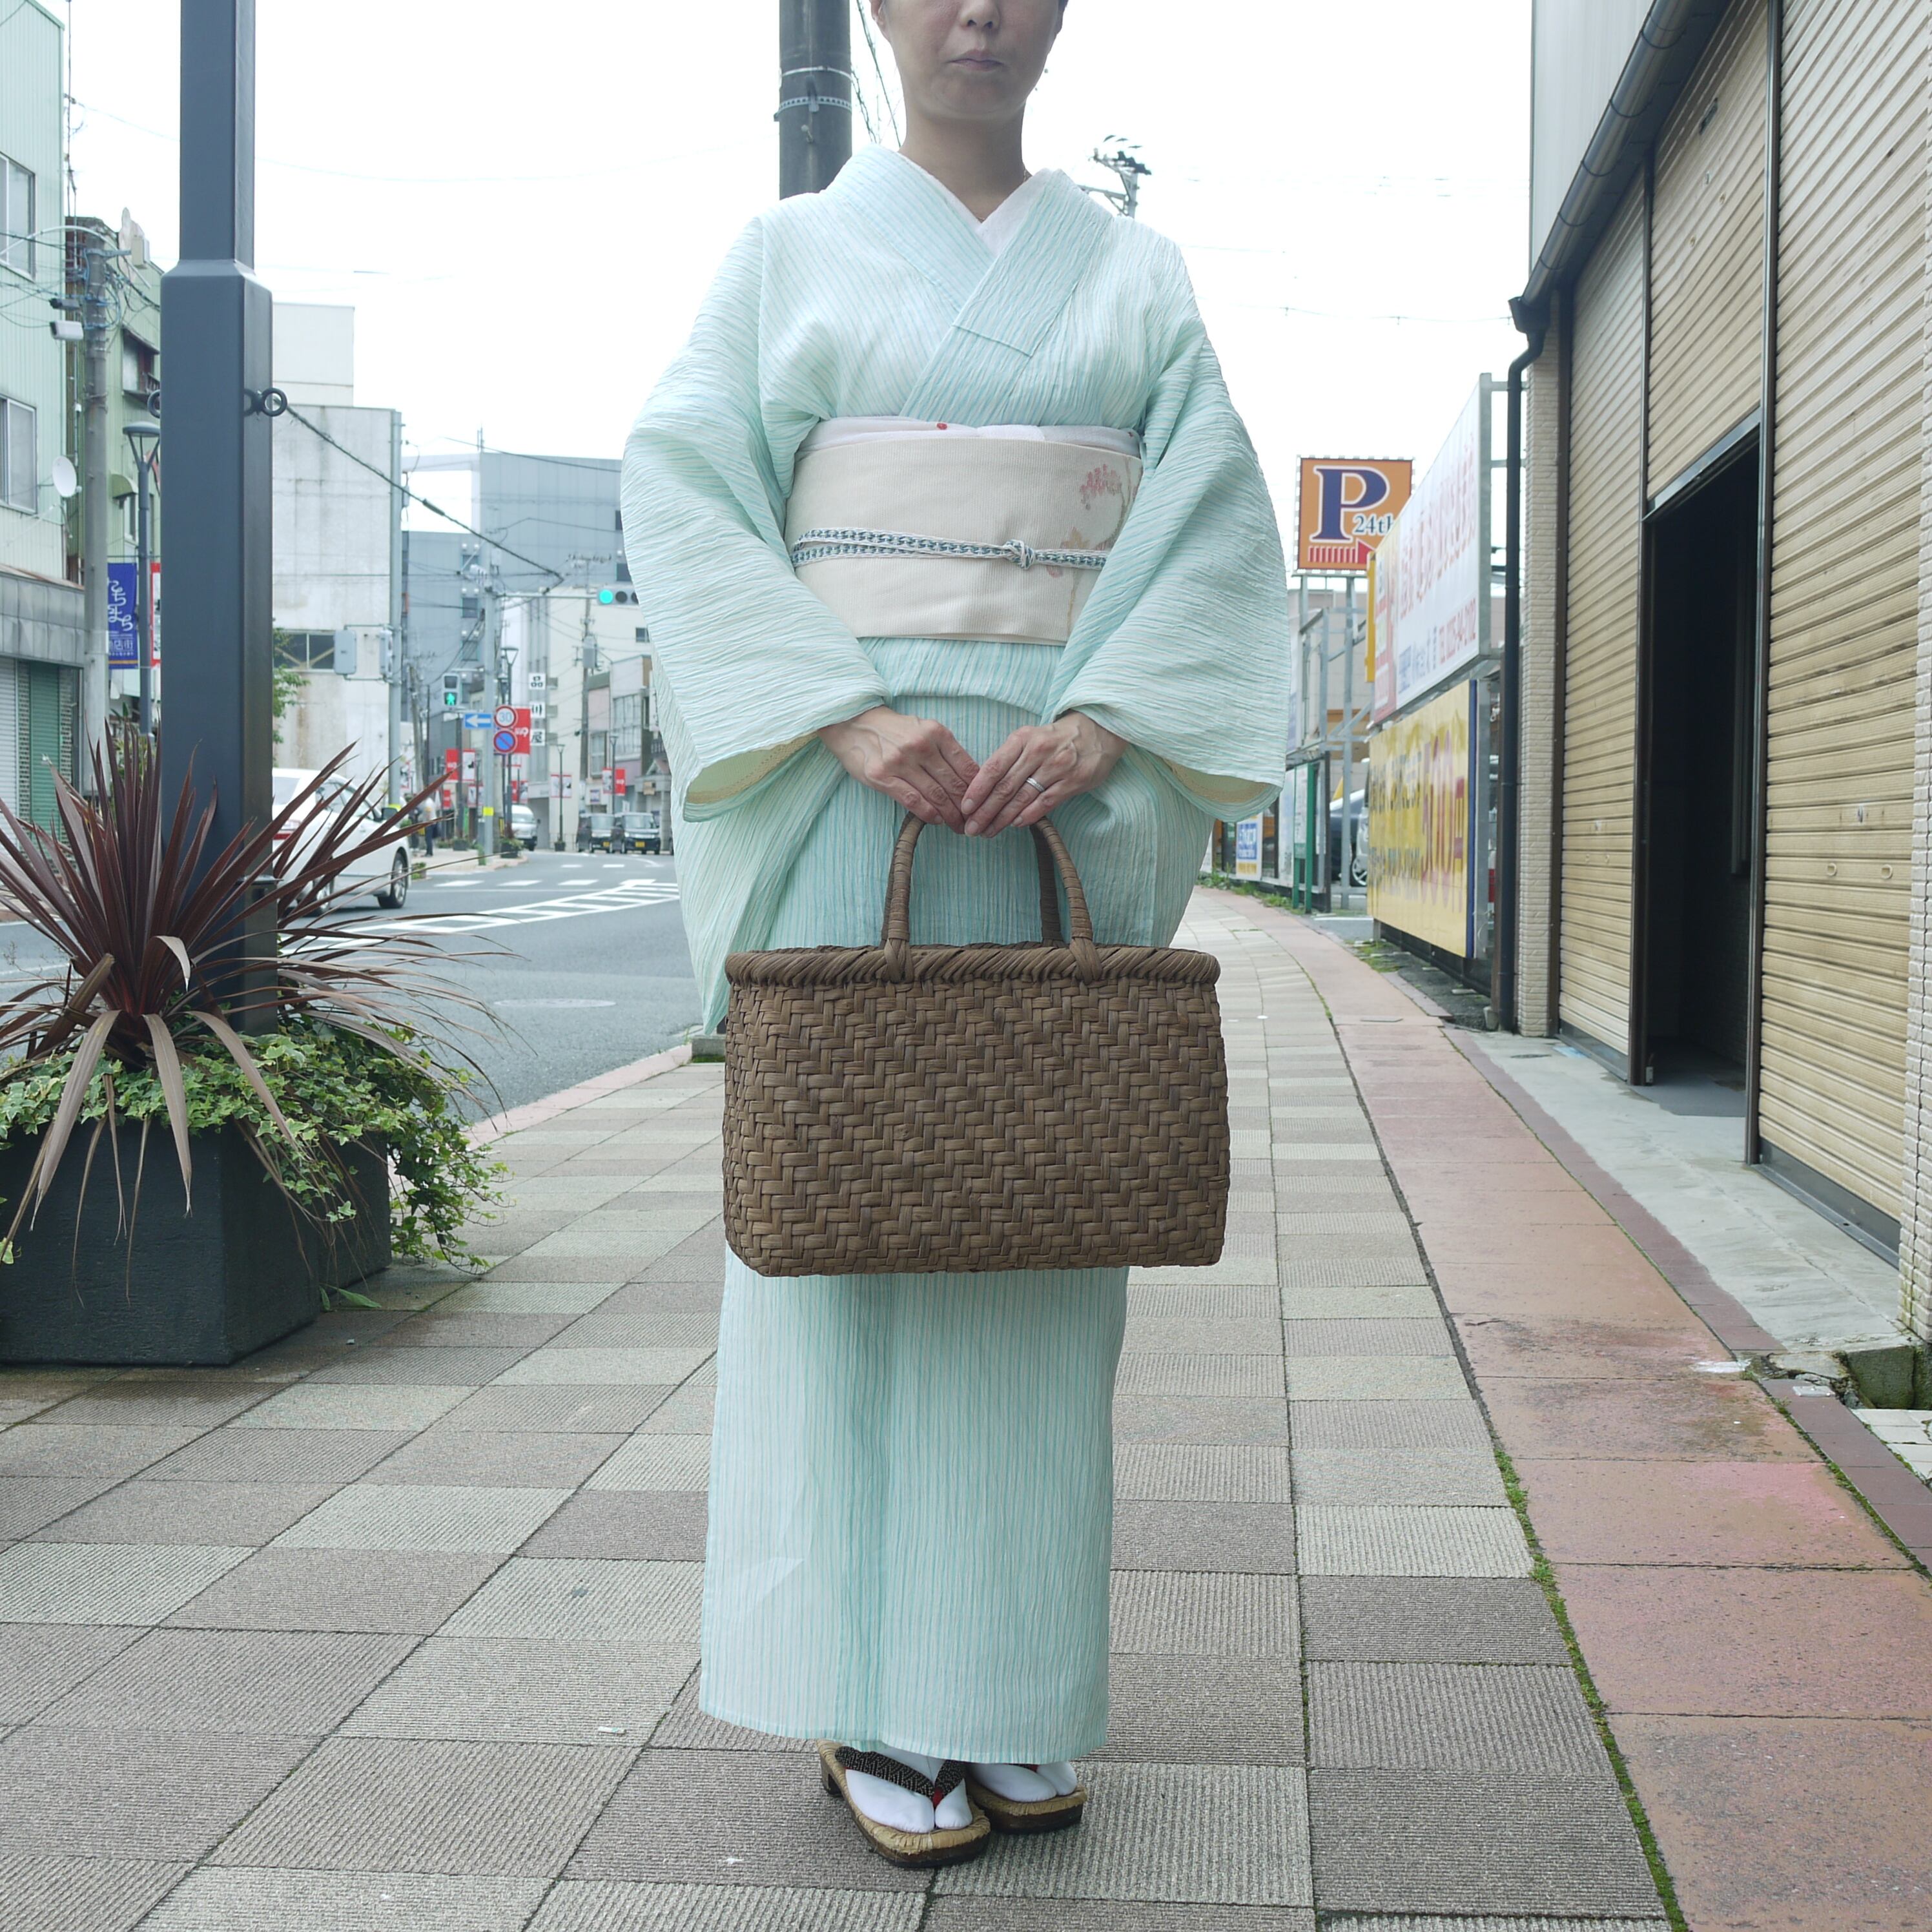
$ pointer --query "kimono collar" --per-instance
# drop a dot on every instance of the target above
(1012, 299)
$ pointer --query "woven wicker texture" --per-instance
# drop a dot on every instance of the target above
(960, 1109)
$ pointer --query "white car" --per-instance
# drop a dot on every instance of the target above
(383, 873)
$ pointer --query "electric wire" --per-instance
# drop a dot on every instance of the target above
(885, 92)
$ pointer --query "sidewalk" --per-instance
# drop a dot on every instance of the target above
(395, 1625)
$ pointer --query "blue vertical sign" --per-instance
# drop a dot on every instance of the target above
(123, 628)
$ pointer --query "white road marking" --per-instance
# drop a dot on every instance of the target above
(625, 896)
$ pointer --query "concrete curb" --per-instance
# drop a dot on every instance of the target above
(534, 1113)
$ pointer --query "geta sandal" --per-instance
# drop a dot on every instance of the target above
(915, 1850)
(1056, 1813)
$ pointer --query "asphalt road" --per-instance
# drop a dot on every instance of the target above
(581, 957)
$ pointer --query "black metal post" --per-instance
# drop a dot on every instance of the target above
(216, 324)
(814, 93)
(144, 596)
(216, 320)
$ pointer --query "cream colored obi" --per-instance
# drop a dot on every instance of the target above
(914, 529)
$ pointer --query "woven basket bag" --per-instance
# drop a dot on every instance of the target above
(958, 1109)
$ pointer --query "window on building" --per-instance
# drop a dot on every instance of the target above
(137, 365)
(16, 217)
(627, 726)
(305, 650)
(19, 456)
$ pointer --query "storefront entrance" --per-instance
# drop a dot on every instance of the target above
(1692, 945)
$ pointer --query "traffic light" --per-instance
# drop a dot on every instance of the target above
(616, 596)
(452, 690)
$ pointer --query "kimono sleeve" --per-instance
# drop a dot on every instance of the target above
(1183, 648)
(753, 662)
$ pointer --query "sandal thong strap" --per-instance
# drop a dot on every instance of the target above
(876, 1764)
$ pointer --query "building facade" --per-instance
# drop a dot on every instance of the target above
(1725, 650)
(42, 634)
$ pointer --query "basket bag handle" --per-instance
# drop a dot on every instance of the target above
(1049, 848)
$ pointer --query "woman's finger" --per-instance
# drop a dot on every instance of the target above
(990, 774)
(957, 759)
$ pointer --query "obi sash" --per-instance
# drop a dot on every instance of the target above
(910, 529)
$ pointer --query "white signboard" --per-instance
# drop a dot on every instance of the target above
(1431, 594)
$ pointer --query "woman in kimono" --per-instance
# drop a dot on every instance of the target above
(911, 1479)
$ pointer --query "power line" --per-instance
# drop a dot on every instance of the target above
(396, 483)
(885, 92)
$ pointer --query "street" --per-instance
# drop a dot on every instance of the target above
(581, 957)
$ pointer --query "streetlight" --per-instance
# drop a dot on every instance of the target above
(144, 437)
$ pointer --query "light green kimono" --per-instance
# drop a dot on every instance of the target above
(911, 1480)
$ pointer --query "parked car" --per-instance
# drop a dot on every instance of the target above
(636, 832)
(523, 825)
(1358, 812)
(594, 831)
(382, 874)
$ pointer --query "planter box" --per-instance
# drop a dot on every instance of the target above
(240, 1272)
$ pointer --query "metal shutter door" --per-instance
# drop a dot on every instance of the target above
(1707, 251)
(10, 738)
(1844, 589)
(1599, 660)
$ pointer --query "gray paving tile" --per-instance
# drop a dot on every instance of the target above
(671, 1463)
(322, 1456)
(1429, 1620)
(28, 1503)
(1376, 1379)
(177, 1512)
(1450, 1716)
(1154, 1418)
(685, 1412)
(539, 1689)
(1203, 1710)
(1359, 1335)
(1313, 1301)
(333, 1405)
(449, 1516)
(1254, 1303)
(164, 1402)
(1420, 1841)
(1214, 1336)
(270, 1683)
(1413, 1476)
(496, 1296)
(600, 1906)
(442, 1327)
(408, 1591)
(1231, 1834)
(687, 1728)
(631, 1325)
(42, 1892)
(667, 1525)
(734, 1818)
(592, 1410)
(1379, 1540)
(1201, 1472)
(106, 1582)
(371, 1803)
(1257, 1537)
(77, 1454)
(1171, 1614)
(40, 1662)
(1387, 1425)
(1074, 1915)
(1212, 1376)
(1313, 1269)
(652, 1603)
(628, 1368)
(145, 1795)
(238, 1900)
(499, 1458)
(420, 1366)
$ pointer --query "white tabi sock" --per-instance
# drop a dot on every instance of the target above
(1027, 1783)
(904, 1811)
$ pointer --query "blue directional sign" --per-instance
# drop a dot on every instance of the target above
(477, 721)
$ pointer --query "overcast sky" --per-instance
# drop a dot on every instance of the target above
(524, 204)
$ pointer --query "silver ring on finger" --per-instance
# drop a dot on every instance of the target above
(1037, 786)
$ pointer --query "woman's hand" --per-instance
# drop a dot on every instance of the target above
(1071, 755)
(913, 760)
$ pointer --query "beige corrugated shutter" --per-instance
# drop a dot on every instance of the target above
(1707, 251)
(1600, 678)
(1844, 592)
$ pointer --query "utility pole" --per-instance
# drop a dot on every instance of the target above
(492, 763)
(93, 504)
(1130, 170)
(392, 643)
(216, 325)
(815, 90)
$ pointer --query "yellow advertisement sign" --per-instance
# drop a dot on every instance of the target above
(1348, 505)
(1419, 823)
